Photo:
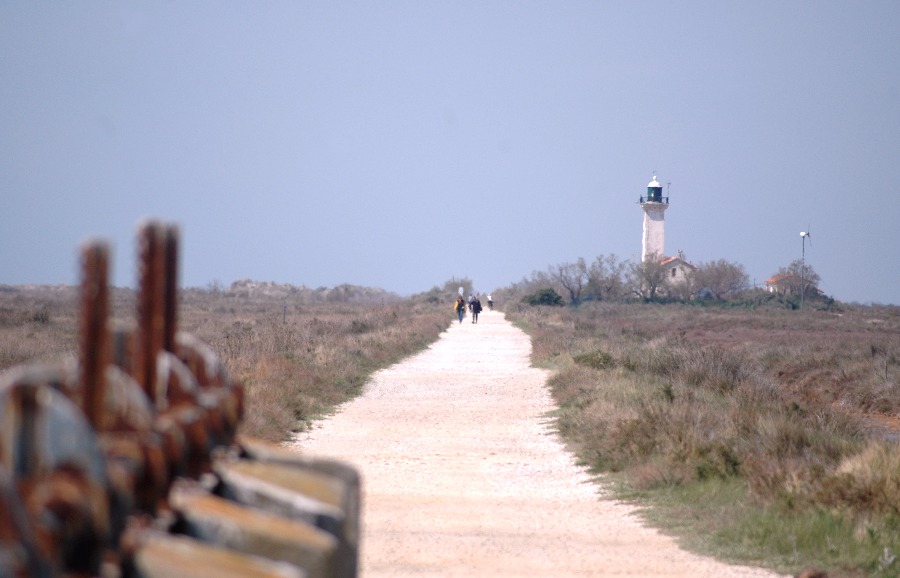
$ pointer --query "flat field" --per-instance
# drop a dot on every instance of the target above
(298, 352)
(757, 433)
(748, 433)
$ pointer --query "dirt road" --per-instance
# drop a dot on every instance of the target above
(463, 475)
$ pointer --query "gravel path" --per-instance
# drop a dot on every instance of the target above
(463, 475)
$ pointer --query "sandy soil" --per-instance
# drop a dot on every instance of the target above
(463, 475)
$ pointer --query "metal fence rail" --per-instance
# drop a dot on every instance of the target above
(126, 462)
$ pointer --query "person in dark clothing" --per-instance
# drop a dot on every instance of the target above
(476, 309)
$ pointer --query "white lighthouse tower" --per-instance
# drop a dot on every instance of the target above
(654, 205)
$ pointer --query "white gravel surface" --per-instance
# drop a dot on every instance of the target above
(464, 476)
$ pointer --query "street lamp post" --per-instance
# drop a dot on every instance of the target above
(803, 236)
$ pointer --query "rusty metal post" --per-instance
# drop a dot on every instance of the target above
(171, 287)
(150, 307)
(87, 463)
(94, 353)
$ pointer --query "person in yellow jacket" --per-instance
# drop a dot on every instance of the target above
(460, 308)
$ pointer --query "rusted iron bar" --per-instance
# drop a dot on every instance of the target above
(126, 463)
(53, 457)
(94, 334)
(150, 307)
(170, 287)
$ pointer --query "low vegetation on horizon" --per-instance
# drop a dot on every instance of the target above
(666, 280)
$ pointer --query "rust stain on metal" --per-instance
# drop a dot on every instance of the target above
(90, 452)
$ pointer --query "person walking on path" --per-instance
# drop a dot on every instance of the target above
(476, 309)
(490, 302)
(460, 308)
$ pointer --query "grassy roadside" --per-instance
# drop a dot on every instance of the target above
(299, 354)
(742, 432)
(300, 366)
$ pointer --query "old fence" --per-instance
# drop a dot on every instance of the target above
(126, 462)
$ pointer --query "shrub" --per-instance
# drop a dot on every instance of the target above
(41, 316)
(544, 297)
(866, 482)
(595, 359)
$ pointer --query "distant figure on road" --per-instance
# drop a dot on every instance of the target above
(490, 302)
(460, 308)
(476, 309)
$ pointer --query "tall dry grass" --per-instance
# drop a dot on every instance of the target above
(299, 363)
(775, 405)
(298, 353)
(36, 325)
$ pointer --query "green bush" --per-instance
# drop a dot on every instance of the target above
(544, 297)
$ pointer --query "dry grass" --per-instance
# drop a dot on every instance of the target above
(774, 403)
(299, 365)
(748, 431)
(36, 325)
(299, 354)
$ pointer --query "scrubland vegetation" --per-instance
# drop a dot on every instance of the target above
(299, 357)
(761, 435)
(299, 352)
(610, 279)
(752, 431)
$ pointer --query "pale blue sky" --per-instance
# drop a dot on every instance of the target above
(397, 144)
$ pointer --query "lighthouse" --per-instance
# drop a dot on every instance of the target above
(654, 206)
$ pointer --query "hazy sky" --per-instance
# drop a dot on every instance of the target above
(398, 144)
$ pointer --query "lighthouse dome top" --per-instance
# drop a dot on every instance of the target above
(654, 183)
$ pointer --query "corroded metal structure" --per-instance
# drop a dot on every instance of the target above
(126, 462)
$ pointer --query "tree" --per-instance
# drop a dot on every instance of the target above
(453, 284)
(539, 280)
(606, 278)
(648, 278)
(722, 278)
(520, 290)
(798, 277)
(573, 277)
